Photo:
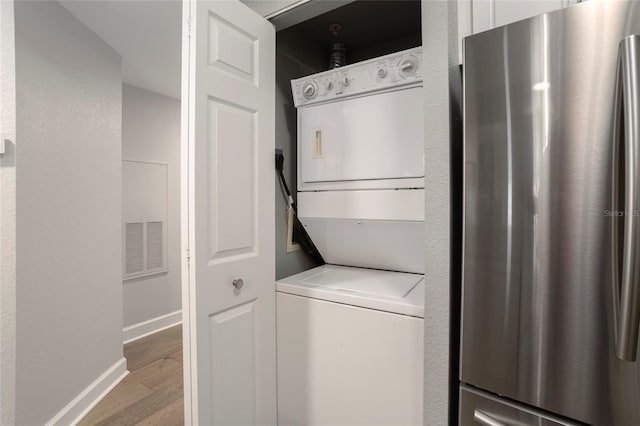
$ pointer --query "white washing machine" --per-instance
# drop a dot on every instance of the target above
(350, 333)
(350, 347)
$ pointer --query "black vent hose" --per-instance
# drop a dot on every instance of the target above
(300, 234)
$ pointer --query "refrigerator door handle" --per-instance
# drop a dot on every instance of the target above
(626, 273)
(485, 419)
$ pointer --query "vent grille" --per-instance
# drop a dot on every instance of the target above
(154, 245)
(134, 248)
(145, 226)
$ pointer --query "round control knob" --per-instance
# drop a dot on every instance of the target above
(346, 81)
(382, 72)
(330, 86)
(309, 90)
(408, 66)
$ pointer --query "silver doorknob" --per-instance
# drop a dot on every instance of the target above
(238, 283)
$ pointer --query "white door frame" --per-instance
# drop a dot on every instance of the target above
(186, 127)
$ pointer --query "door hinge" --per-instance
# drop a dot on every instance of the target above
(4, 141)
(189, 27)
(188, 258)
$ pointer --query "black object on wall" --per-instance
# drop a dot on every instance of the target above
(300, 235)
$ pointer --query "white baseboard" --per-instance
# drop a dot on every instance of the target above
(89, 398)
(145, 328)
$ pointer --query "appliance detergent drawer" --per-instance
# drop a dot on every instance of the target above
(478, 408)
(379, 136)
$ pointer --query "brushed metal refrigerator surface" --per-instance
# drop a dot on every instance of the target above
(538, 317)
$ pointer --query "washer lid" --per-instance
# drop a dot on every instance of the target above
(394, 292)
(373, 282)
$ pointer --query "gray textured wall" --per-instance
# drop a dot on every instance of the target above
(68, 167)
(439, 35)
(292, 61)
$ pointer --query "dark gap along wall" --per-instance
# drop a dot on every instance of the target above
(293, 60)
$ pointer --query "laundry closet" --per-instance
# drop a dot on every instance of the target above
(350, 289)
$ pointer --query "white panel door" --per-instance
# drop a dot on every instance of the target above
(228, 223)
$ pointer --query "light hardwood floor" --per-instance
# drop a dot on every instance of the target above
(152, 392)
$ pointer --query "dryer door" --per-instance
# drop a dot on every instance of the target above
(372, 137)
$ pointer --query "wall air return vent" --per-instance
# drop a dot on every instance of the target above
(134, 248)
(144, 217)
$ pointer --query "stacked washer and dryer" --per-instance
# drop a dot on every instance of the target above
(350, 332)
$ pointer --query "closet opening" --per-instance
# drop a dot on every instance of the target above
(349, 123)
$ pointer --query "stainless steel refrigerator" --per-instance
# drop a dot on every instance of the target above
(551, 224)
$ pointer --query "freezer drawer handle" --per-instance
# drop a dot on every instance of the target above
(626, 270)
(484, 419)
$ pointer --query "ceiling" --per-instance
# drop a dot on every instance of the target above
(147, 33)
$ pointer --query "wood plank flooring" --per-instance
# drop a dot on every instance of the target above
(152, 392)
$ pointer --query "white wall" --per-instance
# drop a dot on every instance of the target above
(151, 133)
(68, 159)
(439, 38)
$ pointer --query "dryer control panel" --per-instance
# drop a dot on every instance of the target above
(396, 69)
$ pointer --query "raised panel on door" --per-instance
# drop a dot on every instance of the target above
(508, 11)
(487, 14)
(232, 174)
(233, 365)
(482, 15)
(229, 127)
(231, 49)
